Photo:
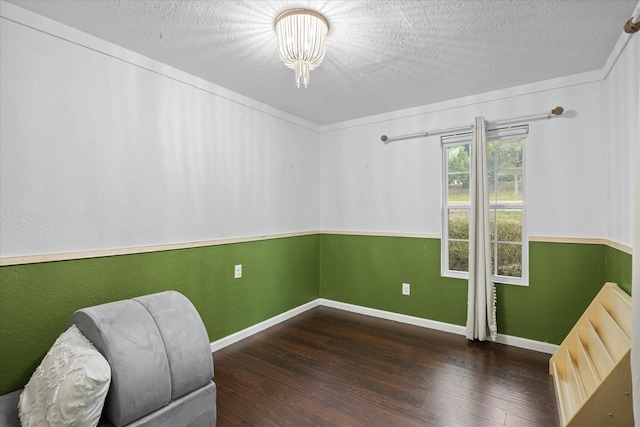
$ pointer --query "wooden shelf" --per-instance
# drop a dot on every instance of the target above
(591, 369)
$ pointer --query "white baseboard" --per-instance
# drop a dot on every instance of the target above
(402, 318)
(245, 333)
(543, 347)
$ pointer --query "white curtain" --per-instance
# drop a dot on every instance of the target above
(481, 305)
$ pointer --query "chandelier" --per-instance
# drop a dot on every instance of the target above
(301, 36)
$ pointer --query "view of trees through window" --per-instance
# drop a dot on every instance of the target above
(505, 176)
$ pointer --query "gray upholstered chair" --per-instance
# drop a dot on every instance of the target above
(160, 358)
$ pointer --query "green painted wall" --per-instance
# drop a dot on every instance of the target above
(369, 271)
(618, 268)
(36, 300)
(564, 278)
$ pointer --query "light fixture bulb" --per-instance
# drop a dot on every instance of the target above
(301, 41)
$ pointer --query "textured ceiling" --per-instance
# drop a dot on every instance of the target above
(381, 55)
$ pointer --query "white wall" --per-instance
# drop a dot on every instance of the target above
(621, 143)
(370, 186)
(580, 167)
(623, 162)
(102, 148)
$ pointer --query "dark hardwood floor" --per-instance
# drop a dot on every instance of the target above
(330, 367)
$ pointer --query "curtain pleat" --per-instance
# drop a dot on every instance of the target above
(481, 305)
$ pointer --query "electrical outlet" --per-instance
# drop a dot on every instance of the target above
(406, 289)
(238, 271)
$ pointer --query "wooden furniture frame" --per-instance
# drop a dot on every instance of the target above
(591, 368)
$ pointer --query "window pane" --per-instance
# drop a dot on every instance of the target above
(509, 225)
(492, 225)
(492, 188)
(458, 189)
(491, 169)
(510, 186)
(493, 258)
(509, 153)
(509, 259)
(508, 170)
(459, 224)
(459, 164)
(458, 256)
(492, 147)
(459, 158)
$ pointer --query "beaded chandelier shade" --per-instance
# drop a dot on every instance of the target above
(301, 38)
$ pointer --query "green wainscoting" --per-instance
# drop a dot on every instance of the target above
(563, 279)
(279, 274)
(369, 271)
(618, 267)
(37, 299)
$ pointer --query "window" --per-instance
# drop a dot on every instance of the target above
(505, 166)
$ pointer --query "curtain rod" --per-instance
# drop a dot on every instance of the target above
(555, 112)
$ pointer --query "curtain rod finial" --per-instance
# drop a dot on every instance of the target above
(630, 27)
(557, 111)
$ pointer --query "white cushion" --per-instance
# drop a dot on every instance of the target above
(69, 387)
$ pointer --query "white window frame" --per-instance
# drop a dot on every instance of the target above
(463, 139)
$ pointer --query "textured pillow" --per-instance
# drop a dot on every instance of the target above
(69, 387)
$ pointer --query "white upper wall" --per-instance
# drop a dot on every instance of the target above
(622, 93)
(367, 185)
(102, 148)
(578, 184)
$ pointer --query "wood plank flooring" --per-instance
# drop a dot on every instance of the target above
(328, 367)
